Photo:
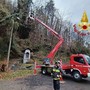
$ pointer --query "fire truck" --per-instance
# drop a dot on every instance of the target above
(78, 66)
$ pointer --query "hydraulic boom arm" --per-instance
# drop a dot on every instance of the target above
(51, 55)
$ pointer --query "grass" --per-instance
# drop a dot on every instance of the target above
(17, 74)
(26, 65)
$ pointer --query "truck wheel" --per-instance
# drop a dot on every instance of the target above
(43, 71)
(77, 76)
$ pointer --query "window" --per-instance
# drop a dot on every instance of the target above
(79, 59)
(87, 59)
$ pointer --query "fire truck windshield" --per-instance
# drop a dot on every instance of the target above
(87, 59)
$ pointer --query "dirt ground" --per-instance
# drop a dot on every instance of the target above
(41, 82)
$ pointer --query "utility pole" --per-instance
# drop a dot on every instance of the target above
(10, 41)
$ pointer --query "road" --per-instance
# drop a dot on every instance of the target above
(41, 82)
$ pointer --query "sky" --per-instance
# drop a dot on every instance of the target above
(72, 10)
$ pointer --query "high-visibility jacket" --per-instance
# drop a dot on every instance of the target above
(56, 73)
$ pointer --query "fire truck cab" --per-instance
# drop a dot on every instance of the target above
(78, 66)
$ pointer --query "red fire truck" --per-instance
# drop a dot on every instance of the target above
(78, 66)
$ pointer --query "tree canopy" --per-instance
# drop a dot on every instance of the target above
(30, 34)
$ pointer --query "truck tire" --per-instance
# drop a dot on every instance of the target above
(43, 71)
(77, 76)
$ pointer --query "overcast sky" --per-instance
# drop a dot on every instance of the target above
(73, 9)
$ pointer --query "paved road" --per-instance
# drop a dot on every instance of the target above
(41, 82)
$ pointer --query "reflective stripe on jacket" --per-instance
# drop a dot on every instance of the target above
(56, 74)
